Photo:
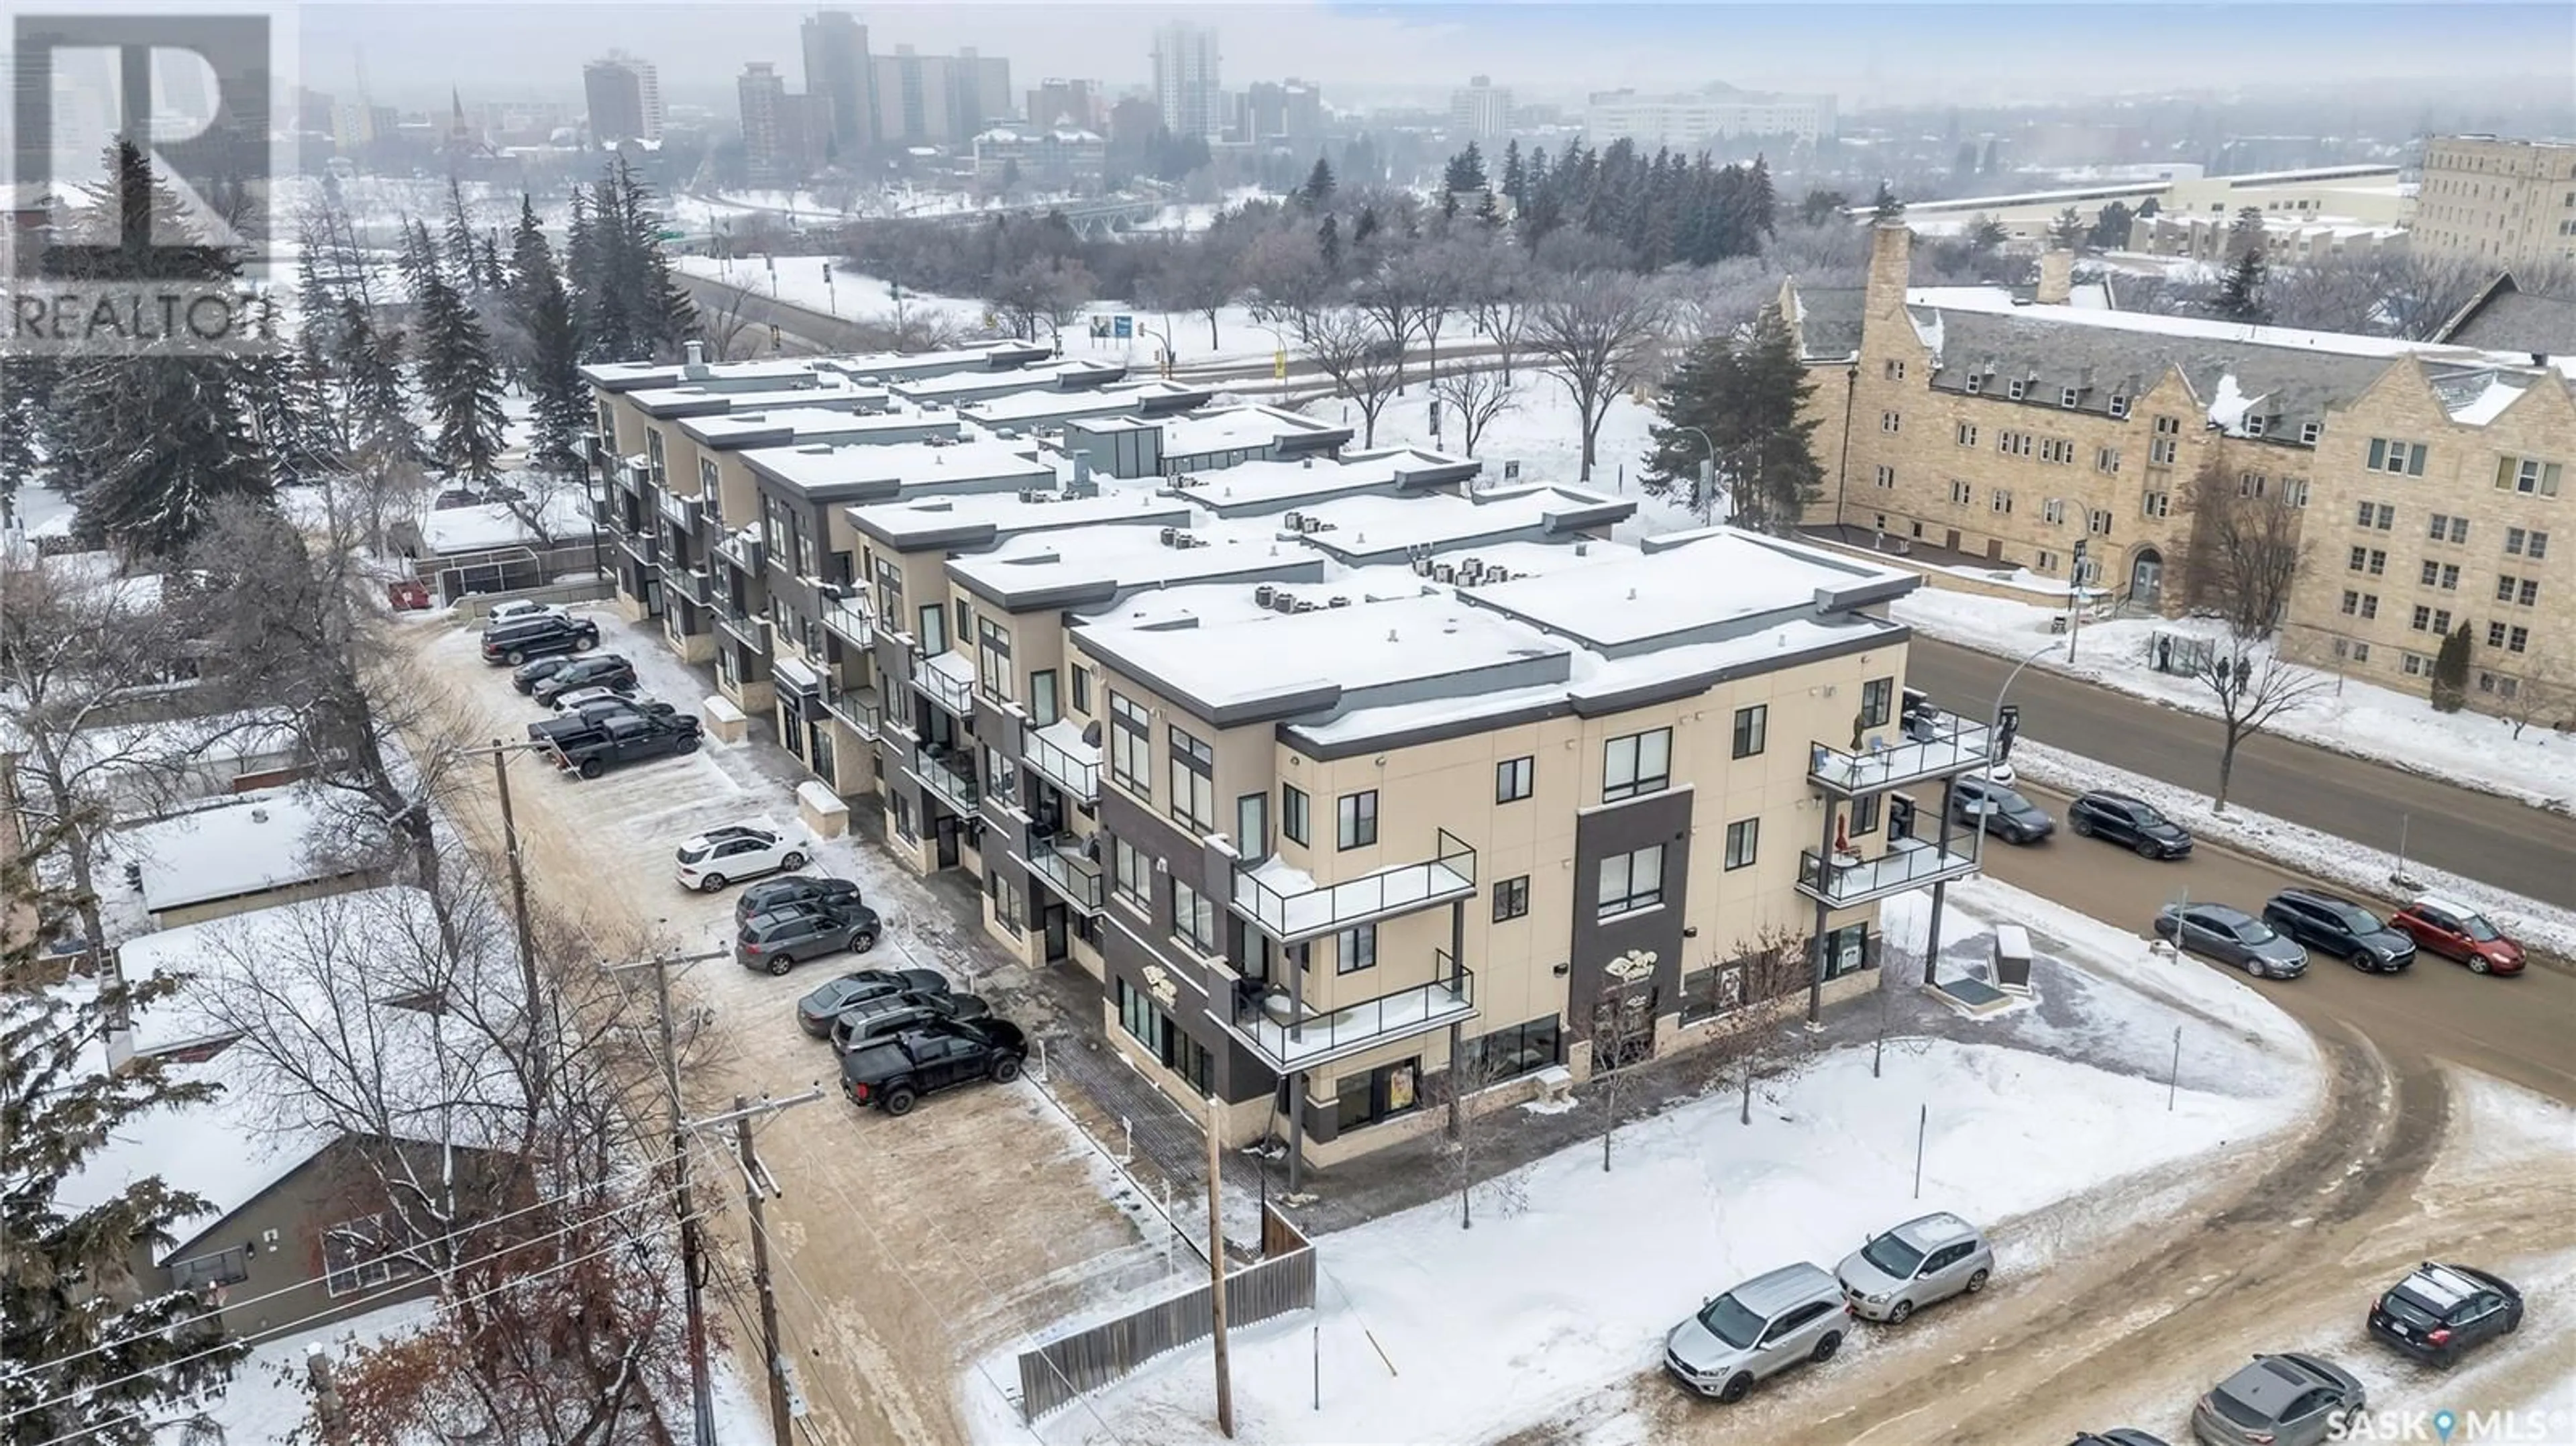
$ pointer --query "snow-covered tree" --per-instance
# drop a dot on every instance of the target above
(461, 385)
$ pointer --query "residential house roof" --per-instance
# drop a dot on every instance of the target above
(2505, 317)
(274, 839)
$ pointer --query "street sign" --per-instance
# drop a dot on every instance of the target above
(1123, 327)
(1100, 328)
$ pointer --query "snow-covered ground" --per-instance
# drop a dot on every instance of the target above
(2347, 715)
(2320, 855)
(1541, 433)
(1571, 1276)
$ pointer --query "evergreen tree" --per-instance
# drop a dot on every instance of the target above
(83, 1354)
(1884, 206)
(460, 249)
(1682, 464)
(1515, 179)
(494, 277)
(371, 390)
(1365, 227)
(2240, 291)
(2451, 672)
(1822, 206)
(2110, 230)
(1489, 214)
(24, 384)
(147, 446)
(1986, 235)
(543, 312)
(581, 271)
(1761, 205)
(1328, 240)
(418, 258)
(1466, 171)
(461, 385)
(2068, 231)
(1747, 395)
(1318, 190)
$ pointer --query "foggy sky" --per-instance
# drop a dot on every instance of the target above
(1863, 53)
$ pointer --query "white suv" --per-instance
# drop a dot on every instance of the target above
(736, 852)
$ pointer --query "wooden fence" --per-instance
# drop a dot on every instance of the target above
(1283, 1280)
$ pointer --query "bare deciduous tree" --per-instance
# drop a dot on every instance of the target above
(1042, 290)
(2251, 689)
(1282, 274)
(1477, 395)
(1623, 1034)
(723, 326)
(1365, 365)
(2543, 690)
(1602, 332)
(2242, 551)
(1757, 1033)
(1498, 290)
(1469, 1087)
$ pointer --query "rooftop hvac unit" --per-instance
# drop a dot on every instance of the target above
(1341, 602)
(1283, 603)
(1445, 572)
(1296, 521)
(1033, 497)
(1262, 595)
(1498, 574)
(1168, 534)
(1422, 567)
(1305, 606)
(1313, 524)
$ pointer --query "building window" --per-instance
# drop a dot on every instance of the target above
(2000, 499)
(1638, 763)
(1890, 421)
(1743, 841)
(933, 636)
(1976, 384)
(1381, 1094)
(2360, 604)
(2431, 620)
(1193, 917)
(207, 1272)
(1355, 949)
(355, 1256)
(1894, 370)
(1193, 782)
(2310, 431)
(1960, 492)
(1877, 702)
(1967, 434)
(2053, 511)
(2414, 665)
(1009, 904)
(1131, 746)
(1509, 1053)
(1865, 812)
(993, 660)
(2250, 484)
(2527, 475)
(2511, 639)
(2068, 397)
(2406, 459)
(2520, 543)
(1710, 992)
(1042, 707)
(2119, 407)
(2449, 529)
(2155, 504)
(2058, 450)
(1292, 814)
(2377, 516)
(2106, 459)
(1752, 725)
(2017, 388)
(2045, 562)
(2445, 576)
(1511, 898)
(1132, 873)
(1886, 476)
(2294, 491)
(2013, 444)
(1082, 691)
(1357, 827)
(2097, 522)
(1514, 779)
(1632, 881)
(1164, 1039)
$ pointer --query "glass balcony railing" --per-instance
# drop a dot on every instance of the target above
(950, 776)
(1288, 904)
(949, 680)
(1267, 1023)
(1846, 879)
(1058, 753)
(1935, 748)
(744, 550)
(682, 511)
(857, 707)
(850, 618)
(1060, 861)
(752, 630)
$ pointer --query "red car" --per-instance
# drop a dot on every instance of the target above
(2457, 931)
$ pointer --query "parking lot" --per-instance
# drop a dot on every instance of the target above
(903, 1248)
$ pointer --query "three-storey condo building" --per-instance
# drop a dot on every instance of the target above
(1345, 845)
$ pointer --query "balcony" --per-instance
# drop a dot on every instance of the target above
(642, 545)
(1060, 861)
(949, 681)
(1264, 1022)
(683, 512)
(1943, 746)
(697, 586)
(744, 550)
(948, 775)
(1059, 755)
(850, 618)
(1288, 905)
(752, 632)
(857, 707)
(1908, 863)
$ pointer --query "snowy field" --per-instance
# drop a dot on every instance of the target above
(1540, 432)
(2348, 715)
(1571, 1277)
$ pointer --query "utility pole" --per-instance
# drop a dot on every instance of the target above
(757, 1184)
(538, 1046)
(693, 1273)
(1216, 1279)
(327, 1410)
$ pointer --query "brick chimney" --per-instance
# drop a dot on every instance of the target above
(2056, 277)
(1890, 248)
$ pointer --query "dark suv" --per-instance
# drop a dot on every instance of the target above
(2129, 822)
(776, 940)
(788, 893)
(893, 1074)
(816, 1011)
(2442, 1310)
(860, 1025)
(520, 639)
(2339, 927)
(608, 670)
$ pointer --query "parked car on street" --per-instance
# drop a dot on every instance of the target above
(575, 721)
(736, 852)
(527, 676)
(1920, 1262)
(624, 738)
(816, 1011)
(820, 889)
(778, 940)
(2233, 937)
(608, 670)
(573, 700)
(517, 608)
(893, 1074)
(2130, 822)
(2456, 931)
(1999, 810)
(2283, 1400)
(1758, 1329)
(520, 639)
(884, 1017)
(2334, 925)
(2437, 1313)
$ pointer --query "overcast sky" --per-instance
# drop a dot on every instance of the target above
(1862, 53)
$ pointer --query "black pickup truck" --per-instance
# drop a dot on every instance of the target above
(621, 739)
(591, 714)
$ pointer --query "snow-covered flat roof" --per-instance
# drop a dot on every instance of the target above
(629, 376)
(1043, 377)
(486, 526)
(1122, 557)
(1368, 526)
(268, 840)
(1353, 648)
(1248, 488)
(769, 425)
(1036, 406)
(874, 365)
(1218, 429)
(822, 466)
(922, 520)
(1711, 579)
(815, 390)
(1210, 603)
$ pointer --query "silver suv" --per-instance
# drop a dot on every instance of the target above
(1915, 1264)
(1758, 1329)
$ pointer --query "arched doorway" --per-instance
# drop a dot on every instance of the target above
(2147, 579)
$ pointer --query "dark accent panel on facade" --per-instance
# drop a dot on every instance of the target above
(1603, 833)
(1239, 1076)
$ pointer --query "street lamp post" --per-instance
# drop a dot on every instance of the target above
(1166, 340)
(1994, 734)
(2075, 600)
(1707, 468)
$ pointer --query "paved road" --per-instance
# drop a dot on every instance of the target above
(2495, 840)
